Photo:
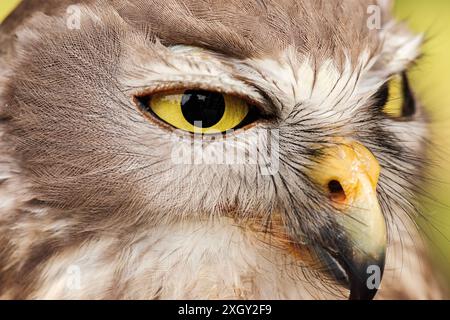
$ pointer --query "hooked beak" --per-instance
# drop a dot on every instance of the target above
(349, 173)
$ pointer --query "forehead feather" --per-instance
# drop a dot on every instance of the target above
(261, 29)
(244, 29)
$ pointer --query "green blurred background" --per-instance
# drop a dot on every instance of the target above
(6, 6)
(431, 81)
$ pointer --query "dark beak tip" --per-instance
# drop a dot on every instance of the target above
(356, 293)
(365, 281)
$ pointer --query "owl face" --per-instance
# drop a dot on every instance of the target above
(291, 118)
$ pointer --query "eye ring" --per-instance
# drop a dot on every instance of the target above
(198, 111)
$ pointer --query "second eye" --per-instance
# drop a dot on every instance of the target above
(200, 111)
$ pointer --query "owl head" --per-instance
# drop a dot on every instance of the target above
(293, 121)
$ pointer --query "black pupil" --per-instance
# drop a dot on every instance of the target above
(202, 109)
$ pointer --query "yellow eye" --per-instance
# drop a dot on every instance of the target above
(200, 111)
(394, 104)
(399, 102)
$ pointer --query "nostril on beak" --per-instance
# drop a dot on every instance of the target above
(336, 190)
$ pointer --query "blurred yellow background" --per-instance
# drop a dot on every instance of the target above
(431, 80)
(6, 6)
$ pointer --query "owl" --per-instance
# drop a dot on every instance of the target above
(209, 149)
